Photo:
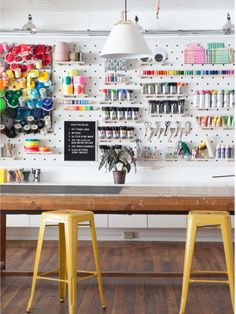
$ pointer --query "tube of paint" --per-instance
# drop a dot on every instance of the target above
(210, 150)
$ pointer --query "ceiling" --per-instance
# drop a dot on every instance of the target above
(114, 5)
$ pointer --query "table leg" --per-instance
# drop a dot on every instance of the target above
(3, 241)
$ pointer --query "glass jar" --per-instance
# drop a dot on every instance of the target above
(123, 132)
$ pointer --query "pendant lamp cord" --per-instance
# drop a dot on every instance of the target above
(125, 10)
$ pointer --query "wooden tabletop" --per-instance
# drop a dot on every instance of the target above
(116, 199)
(129, 190)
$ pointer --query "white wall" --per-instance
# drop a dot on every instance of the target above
(167, 175)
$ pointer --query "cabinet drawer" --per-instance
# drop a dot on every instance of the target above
(167, 221)
(127, 221)
(18, 220)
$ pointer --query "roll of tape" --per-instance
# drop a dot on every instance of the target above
(67, 89)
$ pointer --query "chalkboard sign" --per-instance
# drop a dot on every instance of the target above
(80, 140)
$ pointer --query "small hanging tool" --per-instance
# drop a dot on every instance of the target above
(187, 127)
(146, 124)
(161, 130)
(181, 132)
(167, 124)
(157, 124)
(178, 124)
(172, 131)
(157, 8)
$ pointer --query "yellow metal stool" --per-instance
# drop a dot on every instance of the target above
(68, 221)
(217, 219)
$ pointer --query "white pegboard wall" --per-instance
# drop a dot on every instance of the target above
(94, 71)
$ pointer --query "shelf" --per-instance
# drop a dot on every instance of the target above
(216, 128)
(75, 96)
(170, 114)
(116, 102)
(122, 121)
(117, 83)
(199, 159)
(115, 140)
(70, 62)
(164, 95)
(7, 158)
(147, 159)
(75, 108)
(212, 109)
(184, 75)
(38, 153)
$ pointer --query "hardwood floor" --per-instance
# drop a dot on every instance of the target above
(123, 295)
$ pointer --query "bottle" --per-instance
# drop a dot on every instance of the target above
(220, 97)
(231, 99)
(196, 99)
(214, 99)
(228, 152)
(207, 99)
(202, 99)
(222, 151)
(226, 99)
(218, 152)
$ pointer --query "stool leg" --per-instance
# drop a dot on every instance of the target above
(97, 262)
(71, 232)
(36, 263)
(62, 262)
(228, 248)
(189, 249)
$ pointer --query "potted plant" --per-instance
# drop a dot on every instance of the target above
(119, 159)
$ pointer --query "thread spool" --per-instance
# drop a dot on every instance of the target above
(2, 128)
(22, 83)
(17, 73)
(34, 128)
(18, 128)
(34, 93)
(30, 120)
(38, 64)
(47, 120)
(2, 104)
(43, 93)
(22, 101)
(62, 51)
(30, 103)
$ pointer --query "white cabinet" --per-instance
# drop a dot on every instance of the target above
(127, 221)
(18, 220)
(101, 221)
(167, 221)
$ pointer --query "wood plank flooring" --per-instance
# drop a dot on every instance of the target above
(123, 295)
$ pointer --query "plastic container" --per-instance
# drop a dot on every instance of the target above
(196, 99)
(202, 99)
(207, 99)
(220, 99)
(226, 99)
(214, 99)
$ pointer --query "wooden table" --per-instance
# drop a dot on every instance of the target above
(113, 199)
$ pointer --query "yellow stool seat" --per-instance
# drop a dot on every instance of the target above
(201, 219)
(68, 222)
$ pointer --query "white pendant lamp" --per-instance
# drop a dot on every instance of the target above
(125, 41)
